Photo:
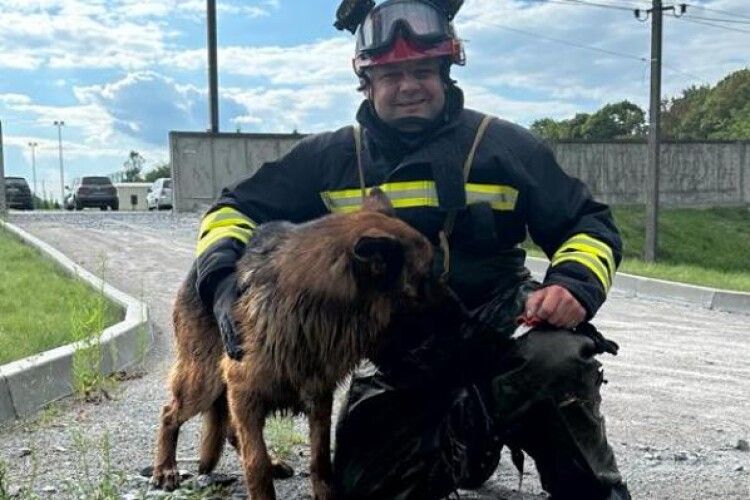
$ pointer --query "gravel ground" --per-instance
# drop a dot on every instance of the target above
(677, 402)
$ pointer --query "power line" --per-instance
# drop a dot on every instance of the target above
(582, 3)
(717, 10)
(728, 28)
(572, 44)
(596, 49)
(717, 19)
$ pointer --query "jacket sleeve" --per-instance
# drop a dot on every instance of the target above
(576, 232)
(281, 190)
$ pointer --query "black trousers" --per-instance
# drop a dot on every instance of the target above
(434, 418)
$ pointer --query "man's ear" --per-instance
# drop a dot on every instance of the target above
(377, 201)
(378, 261)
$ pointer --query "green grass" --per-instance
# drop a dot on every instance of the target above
(282, 436)
(39, 301)
(709, 247)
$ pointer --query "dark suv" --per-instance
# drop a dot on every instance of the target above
(18, 194)
(92, 192)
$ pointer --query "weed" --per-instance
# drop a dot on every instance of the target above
(282, 436)
(96, 481)
(88, 380)
(25, 491)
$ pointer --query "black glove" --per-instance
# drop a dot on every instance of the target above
(225, 297)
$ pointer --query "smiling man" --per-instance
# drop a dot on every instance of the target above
(407, 95)
(452, 387)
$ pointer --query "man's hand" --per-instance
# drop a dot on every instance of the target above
(554, 305)
(225, 297)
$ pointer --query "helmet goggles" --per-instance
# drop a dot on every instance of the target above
(416, 20)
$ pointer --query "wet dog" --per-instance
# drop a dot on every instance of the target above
(315, 299)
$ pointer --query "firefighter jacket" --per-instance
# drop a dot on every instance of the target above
(515, 187)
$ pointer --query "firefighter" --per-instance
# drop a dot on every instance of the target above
(433, 412)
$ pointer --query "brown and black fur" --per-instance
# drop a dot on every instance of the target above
(315, 299)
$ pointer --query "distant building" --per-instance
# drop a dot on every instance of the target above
(132, 195)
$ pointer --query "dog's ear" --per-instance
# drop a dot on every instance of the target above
(377, 201)
(378, 261)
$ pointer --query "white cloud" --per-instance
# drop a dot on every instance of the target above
(309, 109)
(324, 61)
(127, 34)
(14, 99)
(516, 110)
(544, 62)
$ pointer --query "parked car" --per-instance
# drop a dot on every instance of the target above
(18, 194)
(160, 194)
(93, 191)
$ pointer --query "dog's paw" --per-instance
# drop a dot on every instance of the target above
(167, 479)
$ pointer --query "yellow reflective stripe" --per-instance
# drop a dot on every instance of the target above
(410, 194)
(499, 196)
(239, 233)
(408, 186)
(602, 249)
(224, 216)
(345, 194)
(491, 189)
(344, 210)
(414, 202)
(589, 261)
(595, 251)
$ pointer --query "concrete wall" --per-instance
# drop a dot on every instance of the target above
(692, 173)
(203, 163)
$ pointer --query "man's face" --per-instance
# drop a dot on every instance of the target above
(411, 89)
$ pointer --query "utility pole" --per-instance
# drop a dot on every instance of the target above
(654, 137)
(59, 124)
(3, 205)
(213, 78)
(33, 146)
(654, 129)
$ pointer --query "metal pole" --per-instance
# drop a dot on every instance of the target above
(33, 146)
(3, 206)
(62, 175)
(654, 137)
(213, 78)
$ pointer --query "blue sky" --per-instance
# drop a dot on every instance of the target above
(123, 73)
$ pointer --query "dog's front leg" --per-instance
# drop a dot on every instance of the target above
(249, 417)
(320, 447)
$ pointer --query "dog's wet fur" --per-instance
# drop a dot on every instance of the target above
(315, 299)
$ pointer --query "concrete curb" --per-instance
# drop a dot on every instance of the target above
(638, 286)
(29, 384)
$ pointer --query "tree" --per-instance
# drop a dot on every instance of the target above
(682, 117)
(547, 128)
(164, 170)
(132, 167)
(701, 112)
(721, 112)
(621, 120)
(564, 129)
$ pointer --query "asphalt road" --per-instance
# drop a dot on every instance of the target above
(677, 402)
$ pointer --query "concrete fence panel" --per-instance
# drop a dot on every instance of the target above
(692, 173)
